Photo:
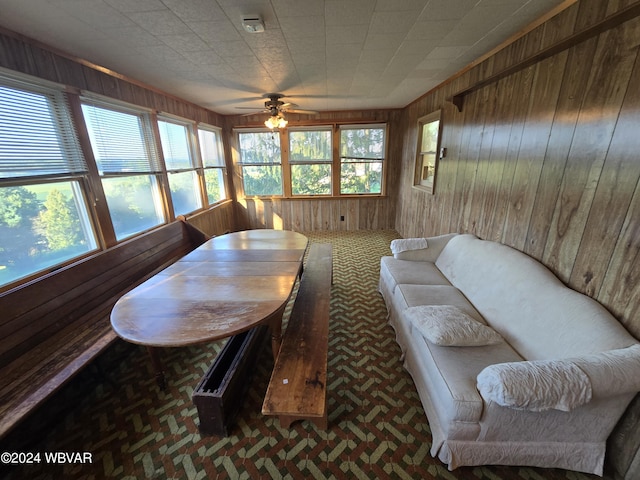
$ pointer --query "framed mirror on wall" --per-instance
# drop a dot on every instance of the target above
(429, 151)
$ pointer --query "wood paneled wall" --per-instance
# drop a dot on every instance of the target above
(217, 220)
(545, 160)
(367, 213)
(308, 214)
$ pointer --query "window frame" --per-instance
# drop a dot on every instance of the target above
(195, 161)
(72, 174)
(419, 166)
(286, 162)
(382, 160)
(283, 164)
(221, 169)
(330, 161)
(153, 167)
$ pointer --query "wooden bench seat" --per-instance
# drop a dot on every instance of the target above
(55, 325)
(298, 386)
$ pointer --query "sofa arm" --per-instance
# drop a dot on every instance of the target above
(430, 253)
(561, 384)
(614, 372)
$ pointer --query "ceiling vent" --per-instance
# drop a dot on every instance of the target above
(253, 24)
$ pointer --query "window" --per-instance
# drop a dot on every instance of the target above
(310, 161)
(128, 165)
(362, 150)
(213, 163)
(44, 216)
(260, 161)
(315, 161)
(427, 157)
(184, 182)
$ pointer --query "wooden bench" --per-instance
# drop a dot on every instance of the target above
(55, 325)
(298, 386)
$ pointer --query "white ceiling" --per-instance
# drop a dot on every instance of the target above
(323, 54)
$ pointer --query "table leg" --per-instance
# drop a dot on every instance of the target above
(276, 335)
(157, 367)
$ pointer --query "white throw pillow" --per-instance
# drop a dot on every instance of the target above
(535, 385)
(448, 325)
(400, 245)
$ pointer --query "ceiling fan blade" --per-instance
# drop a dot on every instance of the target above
(300, 110)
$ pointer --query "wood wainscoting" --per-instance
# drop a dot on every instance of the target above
(306, 215)
(217, 220)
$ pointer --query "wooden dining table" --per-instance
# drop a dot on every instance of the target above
(229, 284)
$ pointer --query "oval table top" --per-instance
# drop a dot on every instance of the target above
(229, 284)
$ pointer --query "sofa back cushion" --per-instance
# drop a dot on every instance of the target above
(526, 303)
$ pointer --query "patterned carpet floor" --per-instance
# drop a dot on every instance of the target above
(377, 428)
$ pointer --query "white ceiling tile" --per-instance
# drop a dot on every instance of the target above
(392, 22)
(293, 27)
(204, 57)
(307, 45)
(195, 10)
(448, 53)
(431, 30)
(401, 5)
(297, 8)
(379, 56)
(340, 54)
(162, 22)
(97, 15)
(132, 36)
(315, 59)
(346, 52)
(184, 43)
(377, 41)
(338, 34)
(236, 48)
(130, 6)
(273, 39)
(347, 13)
(446, 9)
(215, 32)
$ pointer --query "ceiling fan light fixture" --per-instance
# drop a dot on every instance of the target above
(276, 121)
(253, 24)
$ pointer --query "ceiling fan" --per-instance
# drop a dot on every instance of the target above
(276, 108)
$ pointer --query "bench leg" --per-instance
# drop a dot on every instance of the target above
(320, 422)
(157, 367)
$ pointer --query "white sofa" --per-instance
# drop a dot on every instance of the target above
(546, 392)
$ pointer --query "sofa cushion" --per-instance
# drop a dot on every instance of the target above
(394, 272)
(536, 385)
(411, 295)
(451, 373)
(448, 325)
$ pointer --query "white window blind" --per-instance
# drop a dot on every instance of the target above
(175, 145)
(210, 148)
(38, 135)
(122, 141)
